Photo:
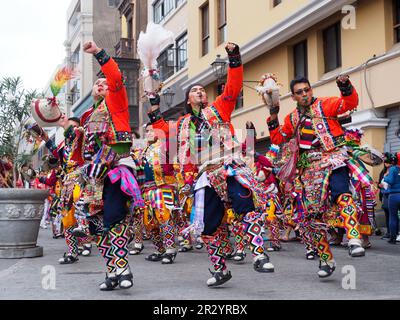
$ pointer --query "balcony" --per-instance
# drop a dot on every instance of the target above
(125, 48)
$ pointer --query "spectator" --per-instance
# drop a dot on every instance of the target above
(392, 178)
(383, 186)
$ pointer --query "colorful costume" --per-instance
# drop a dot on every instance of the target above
(108, 172)
(322, 176)
(159, 196)
(220, 183)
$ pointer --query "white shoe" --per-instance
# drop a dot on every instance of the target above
(398, 238)
(355, 248)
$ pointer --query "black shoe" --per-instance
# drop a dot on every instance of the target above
(135, 251)
(325, 270)
(386, 236)
(356, 251)
(68, 259)
(273, 248)
(229, 256)
(310, 255)
(392, 241)
(154, 257)
(218, 278)
(185, 249)
(263, 265)
(239, 256)
(109, 284)
(127, 279)
(168, 258)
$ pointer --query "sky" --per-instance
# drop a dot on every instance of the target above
(32, 35)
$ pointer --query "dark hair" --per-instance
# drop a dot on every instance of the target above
(75, 119)
(297, 81)
(391, 158)
(188, 108)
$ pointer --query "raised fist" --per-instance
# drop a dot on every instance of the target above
(232, 48)
(91, 47)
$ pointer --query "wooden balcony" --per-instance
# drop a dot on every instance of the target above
(125, 48)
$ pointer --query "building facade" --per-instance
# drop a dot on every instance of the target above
(319, 39)
(133, 19)
(173, 15)
(88, 20)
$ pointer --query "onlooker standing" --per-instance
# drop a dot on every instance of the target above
(383, 186)
(393, 180)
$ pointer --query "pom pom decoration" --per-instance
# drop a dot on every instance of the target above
(47, 111)
(149, 46)
(268, 89)
(272, 153)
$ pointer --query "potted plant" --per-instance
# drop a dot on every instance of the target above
(20, 209)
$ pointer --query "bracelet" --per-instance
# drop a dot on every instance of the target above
(155, 115)
(273, 124)
(235, 61)
(274, 110)
(102, 57)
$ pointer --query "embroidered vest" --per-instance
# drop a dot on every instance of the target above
(155, 157)
(100, 125)
(211, 116)
(320, 124)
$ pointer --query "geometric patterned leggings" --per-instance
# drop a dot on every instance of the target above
(113, 246)
(73, 242)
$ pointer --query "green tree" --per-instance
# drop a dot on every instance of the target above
(15, 105)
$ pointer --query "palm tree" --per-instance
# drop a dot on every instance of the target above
(15, 104)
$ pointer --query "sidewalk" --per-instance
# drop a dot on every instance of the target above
(377, 276)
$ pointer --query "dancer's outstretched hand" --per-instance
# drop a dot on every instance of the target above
(91, 47)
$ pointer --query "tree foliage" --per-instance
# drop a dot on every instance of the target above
(15, 104)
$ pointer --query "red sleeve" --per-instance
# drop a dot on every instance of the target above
(334, 106)
(51, 181)
(225, 103)
(280, 133)
(117, 97)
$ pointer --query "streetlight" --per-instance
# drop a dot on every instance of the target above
(168, 95)
(219, 70)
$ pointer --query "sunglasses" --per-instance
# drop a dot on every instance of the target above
(300, 91)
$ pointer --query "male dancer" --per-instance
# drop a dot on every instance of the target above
(109, 170)
(64, 153)
(228, 181)
(159, 196)
(321, 163)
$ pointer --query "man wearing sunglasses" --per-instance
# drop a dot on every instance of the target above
(322, 180)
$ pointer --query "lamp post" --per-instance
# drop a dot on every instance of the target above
(219, 70)
(168, 95)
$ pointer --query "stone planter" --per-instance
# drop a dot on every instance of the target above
(20, 214)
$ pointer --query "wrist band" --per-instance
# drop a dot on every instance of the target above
(155, 115)
(102, 57)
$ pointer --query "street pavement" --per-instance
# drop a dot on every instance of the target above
(375, 276)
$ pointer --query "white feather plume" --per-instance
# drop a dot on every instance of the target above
(151, 42)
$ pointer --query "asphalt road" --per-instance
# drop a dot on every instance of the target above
(375, 276)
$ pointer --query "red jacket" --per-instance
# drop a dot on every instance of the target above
(331, 108)
(224, 104)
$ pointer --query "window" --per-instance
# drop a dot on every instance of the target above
(205, 29)
(221, 21)
(166, 63)
(161, 9)
(179, 2)
(181, 52)
(396, 11)
(113, 3)
(300, 59)
(75, 57)
(276, 2)
(332, 47)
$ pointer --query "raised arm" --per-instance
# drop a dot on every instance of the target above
(346, 102)
(280, 133)
(225, 103)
